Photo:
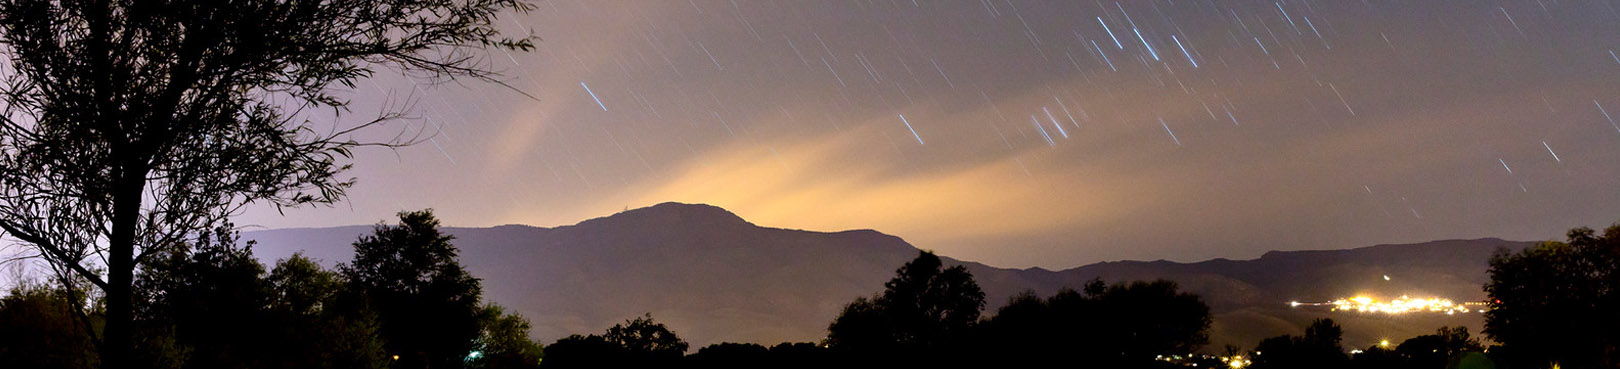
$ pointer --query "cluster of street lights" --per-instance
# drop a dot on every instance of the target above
(1402, 305)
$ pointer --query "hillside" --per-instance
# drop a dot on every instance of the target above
(715, 277)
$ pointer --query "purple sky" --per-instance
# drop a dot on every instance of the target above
(1023, 133)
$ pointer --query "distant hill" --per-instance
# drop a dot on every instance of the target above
(714, 277)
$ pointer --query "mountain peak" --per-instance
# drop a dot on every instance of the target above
(676, 213)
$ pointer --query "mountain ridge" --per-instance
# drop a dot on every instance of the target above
(714, 276)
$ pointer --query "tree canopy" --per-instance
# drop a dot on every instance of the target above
(1318, 348)
(1434, 350)
(645, 337)
(427, 304)
(639, 342)
(209, 303)
(924, 306)
(503, 341)
(1555, 302)
(1124, 324)
(129, 125)
(41, 329)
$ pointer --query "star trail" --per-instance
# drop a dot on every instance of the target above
(1276, 123)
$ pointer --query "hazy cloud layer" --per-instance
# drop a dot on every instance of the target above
(1341, 123)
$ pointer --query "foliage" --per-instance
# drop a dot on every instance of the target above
(209, 304)
(40, 329)
(1124, 324)
(923, 307)
(1555, 302)
(1434, 350)
(1318, 348)
(578, 351)
(193, 288)
(636, 342)
(300, 286)
(426, 303)
(129, 125)
(320, 325)
(1146, 319)
(503, 341)
(1381, 357)
(732, 355)
(643, 336)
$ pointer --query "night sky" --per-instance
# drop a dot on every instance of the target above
(1027, 133)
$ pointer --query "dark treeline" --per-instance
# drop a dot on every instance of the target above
(930, 315)
(1552, 305)
(406, 302)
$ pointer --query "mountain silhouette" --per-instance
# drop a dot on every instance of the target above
(714, 277)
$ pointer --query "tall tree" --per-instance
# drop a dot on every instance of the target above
(427, 303)
(1555, 302)
(924, 306)
(129, 124)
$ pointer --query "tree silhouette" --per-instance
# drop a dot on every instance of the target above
(1380, 357)
(863, 325)
(1434, 350)
(1555, 302)
(1141, 320)
(320, 325)
(638, 342)
(924, 306)
(578, 351)
(1318, 348)
(1029, 331)
(1121, 325)
(732, 355)
(208, 303)
(426, 303)
(192, 288)
(503, 341)
(130, 124)
(41, 329)
(644, 337)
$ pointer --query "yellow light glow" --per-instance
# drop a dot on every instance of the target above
(1401, 305)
